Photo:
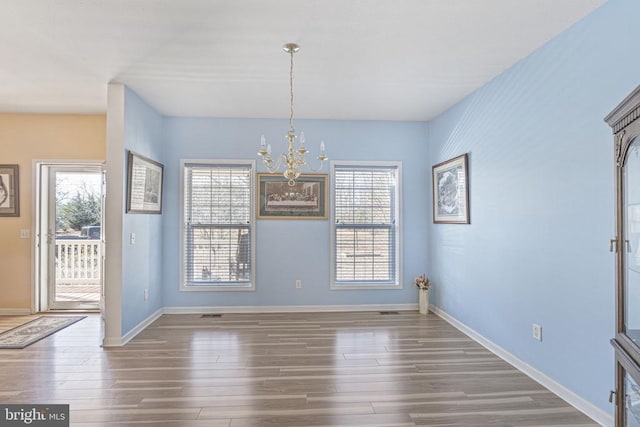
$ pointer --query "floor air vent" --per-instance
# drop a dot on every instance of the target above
(386, 313)
(212, 315)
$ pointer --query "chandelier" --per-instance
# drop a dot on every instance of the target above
(294, 158)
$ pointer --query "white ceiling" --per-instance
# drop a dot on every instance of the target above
(359, 59)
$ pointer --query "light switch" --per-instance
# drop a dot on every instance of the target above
(132, 238)
(25, 233)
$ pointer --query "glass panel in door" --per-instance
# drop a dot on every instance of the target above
(75, 230)
(631, 401)
(631, 243)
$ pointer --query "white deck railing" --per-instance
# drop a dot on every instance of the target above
(78, 261)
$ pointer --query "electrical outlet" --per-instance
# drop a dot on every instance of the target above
(146, 294)
(298, 283)
(537, 332)
(25, 233)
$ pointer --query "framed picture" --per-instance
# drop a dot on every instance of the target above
(451, 191)
(144, 185)
(9, 190)
(307, 199)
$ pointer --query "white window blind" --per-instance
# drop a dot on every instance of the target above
(218, 225)
(365, 229)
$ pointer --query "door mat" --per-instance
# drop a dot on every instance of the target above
(35, 330)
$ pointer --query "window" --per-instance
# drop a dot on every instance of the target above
(218, 226)
(365, 237)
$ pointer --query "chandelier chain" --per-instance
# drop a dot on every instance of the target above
(291, 129)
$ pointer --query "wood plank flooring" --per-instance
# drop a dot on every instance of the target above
(293, 369)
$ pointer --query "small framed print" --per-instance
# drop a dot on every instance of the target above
(451, 191)
(144, 185)
(306, 199)
(9, 190)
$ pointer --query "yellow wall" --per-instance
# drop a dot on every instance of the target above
(24, 137)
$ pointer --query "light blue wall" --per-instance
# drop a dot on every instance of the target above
(141, 262)
(542, 198)
(287, 250)
(541, 176)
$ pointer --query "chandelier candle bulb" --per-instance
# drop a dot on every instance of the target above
(263, 147)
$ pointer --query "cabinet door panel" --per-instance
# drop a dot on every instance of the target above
(631, 243)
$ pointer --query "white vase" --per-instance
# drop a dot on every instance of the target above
(424, 301)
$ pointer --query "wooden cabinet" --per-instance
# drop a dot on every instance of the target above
(625, 122)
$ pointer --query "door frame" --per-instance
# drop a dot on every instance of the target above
(39, 267)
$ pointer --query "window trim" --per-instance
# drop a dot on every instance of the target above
(366, 285)
(225, 286)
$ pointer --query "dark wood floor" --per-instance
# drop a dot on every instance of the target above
(313, 369)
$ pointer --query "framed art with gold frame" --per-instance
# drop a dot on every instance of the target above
(306, 199)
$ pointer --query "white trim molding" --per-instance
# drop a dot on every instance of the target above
(290, 308)
(113, 214)
(142, 326)
(120, 341)
(112, 342)
(15, 311)
(397, 282)
(582, 405)
(213, 164)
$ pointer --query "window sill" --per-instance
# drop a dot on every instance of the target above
(217, 288)
(363, 286)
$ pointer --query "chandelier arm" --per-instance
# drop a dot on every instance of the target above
(282, 158)
(313, 169)
(271, 167)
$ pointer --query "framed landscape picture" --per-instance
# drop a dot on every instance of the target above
(451, 191)
(307, 199)
(144, 185)
(9, 191)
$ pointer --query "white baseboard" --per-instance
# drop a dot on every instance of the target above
(141, 326)
(112, 342)
(290, 308)
(120, 341)
(15, 311)
(584, 406)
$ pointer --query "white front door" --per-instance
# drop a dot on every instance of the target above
(71, 242)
